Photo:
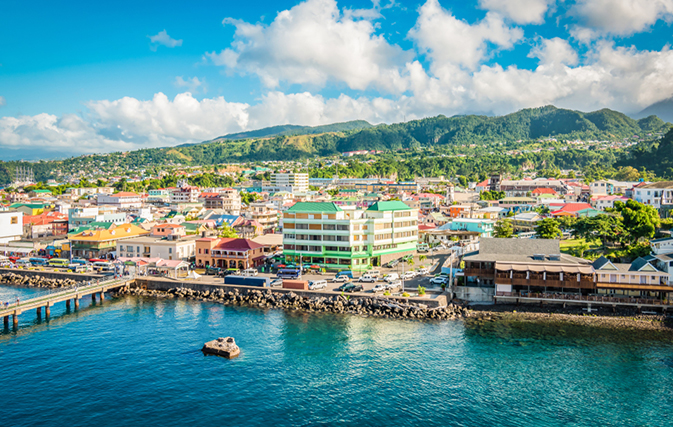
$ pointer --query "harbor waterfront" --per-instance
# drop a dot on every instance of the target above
(135, 360)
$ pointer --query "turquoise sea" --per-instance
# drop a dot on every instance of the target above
(137, 362)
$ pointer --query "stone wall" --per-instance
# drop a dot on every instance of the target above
(430, 301)
(52, 274)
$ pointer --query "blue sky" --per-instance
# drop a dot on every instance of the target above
(81, 77)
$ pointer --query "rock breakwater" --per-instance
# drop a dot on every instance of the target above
(13, 279)
(340, 304)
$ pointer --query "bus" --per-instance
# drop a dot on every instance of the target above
(38, 262)
(59, 262)
(287, 273)
(103, 267)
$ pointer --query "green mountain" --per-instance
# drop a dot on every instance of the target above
(656, 156)
(297, 130)
(294, 143)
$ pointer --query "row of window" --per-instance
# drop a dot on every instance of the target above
(317, 237)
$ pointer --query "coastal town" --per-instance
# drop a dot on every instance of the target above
(535, 240)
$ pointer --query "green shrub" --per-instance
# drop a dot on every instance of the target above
(421, 290)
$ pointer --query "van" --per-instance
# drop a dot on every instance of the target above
(423, 247)
(23, 262)
(38, 262)
(103, 267)
(391, 277)
(59, 262)
(286, 273)
(77, 268)
(250, 272)
(374, 273)
(317, 284)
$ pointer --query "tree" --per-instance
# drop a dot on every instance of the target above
(640, 221)
(628, 173)
(503, 229)
(226, 231)
(548, 228)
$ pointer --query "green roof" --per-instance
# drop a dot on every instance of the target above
(41, 191)
(29, 205)
(393, 205)
(314, 207)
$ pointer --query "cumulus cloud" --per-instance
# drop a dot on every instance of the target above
(449, 40)
(162, 38)
(519, 11)
(314, 43)
(618, 17)
(193, 84)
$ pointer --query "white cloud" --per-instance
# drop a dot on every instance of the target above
(314, 43)
(162, 38)
(554, 51)
(618, 17)
(193, 84)
(519, 11)
(451, 41)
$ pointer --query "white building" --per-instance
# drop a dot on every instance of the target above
(185, 194)
(11, 226)
(157, 247)
(655, 194)
(121, 200)
(292, 182)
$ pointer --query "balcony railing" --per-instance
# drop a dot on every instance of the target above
(479, 271)
(586, 298)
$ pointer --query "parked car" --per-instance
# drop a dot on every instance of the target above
(367, 278)
(213, 271)
(423, 270)
(439, 280)
(392, 263)
(381, 287)
(314, 285)
(340, 279)
(391, 277)
(228, 272)
(409, 275)
(345, 286)
(353, 288)
(276, 282)
(395, 284)
(423, 247)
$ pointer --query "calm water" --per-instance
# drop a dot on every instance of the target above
(136, 361)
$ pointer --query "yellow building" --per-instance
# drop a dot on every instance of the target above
(98, 243)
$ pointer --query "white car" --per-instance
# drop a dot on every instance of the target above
(391, 277)
(423, 271)
(381, 287)
(250, 272)
(317, 284)
(439, 280)
(409, 275)
(277, 282)
(367, 278)
(395, 284)
(341, 278)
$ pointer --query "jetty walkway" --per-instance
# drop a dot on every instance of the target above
(48, 298)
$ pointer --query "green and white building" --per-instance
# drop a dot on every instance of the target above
(334, 237)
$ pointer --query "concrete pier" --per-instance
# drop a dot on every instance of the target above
(39, 312)
(6, 321)
(67, 305)
(77, 303)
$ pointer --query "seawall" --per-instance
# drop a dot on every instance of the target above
(51, 274)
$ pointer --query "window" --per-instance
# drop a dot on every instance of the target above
(170, 250)
(15, 220)
(329, 227)
(129, 248)
(301, 226)
(342, 227)
(199, 250)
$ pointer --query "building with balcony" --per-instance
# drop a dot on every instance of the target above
(484, 227)
(640, 279)
(229, 253)
(292, 182)
(527, 265)
(335, 237)
(657, 194)
(121, 200)
(228, 200)
(100, 243)
(184, 194)
(264, 213)
(170, 247)
(11, 226)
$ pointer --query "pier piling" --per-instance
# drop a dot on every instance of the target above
(47, 312)
(102, 296)
(6, 322)
(39, 312)
(67, 305)
(76, 303)
(93, 298)
(15, 318)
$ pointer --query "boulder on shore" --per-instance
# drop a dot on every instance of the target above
(225, 347)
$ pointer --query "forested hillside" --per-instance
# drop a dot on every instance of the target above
(441, 133)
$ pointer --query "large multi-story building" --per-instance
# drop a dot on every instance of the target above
(185, 194)
(121, 200)
(292, 182)
(264, 213)
(325, 234)
(228, 200)
(657, 194)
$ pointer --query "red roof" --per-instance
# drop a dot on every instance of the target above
(543, 191)
(237, 244)
(44, 218)
(483, 183)
(422, 227)
(124, 194)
